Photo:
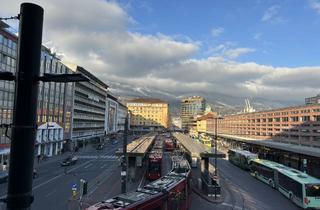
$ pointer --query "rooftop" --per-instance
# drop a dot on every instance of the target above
(305, 150)
(210, 115)
(91, 76)
(147, 100)
(278, 109)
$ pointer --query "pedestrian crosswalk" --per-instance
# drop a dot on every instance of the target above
(104, 157)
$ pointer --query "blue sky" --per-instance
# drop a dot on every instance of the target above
(241, 48)
(289, 36)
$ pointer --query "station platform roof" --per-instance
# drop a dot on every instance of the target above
(196, 149)
(140, 146)
(294, 148)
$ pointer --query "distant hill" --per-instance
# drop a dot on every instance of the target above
(221, 103)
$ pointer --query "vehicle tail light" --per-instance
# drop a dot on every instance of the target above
(306, 201)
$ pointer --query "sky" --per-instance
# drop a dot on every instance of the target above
(247, 48)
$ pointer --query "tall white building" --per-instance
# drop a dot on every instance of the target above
(111, 114)
(89, 109)
(121, 117)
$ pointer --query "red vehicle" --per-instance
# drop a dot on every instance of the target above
(154, 165)
(170, 192)
(168, 143)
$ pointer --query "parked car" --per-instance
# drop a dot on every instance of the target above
(3, 176)
(71, 160)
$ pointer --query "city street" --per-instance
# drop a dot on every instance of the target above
(52, 187)
(242, 191)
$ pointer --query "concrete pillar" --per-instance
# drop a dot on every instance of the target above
(39, 149)
(132, 168)
(57, 147)
(50, 149)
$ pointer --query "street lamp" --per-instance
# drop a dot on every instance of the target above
(215, 144)
(124, 157)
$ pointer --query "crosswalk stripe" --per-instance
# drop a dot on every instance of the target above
(97, 157)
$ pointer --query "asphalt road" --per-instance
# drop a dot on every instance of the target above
(52, 187)
(243, 192)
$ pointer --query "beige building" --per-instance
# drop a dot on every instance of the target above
(205, 122)
(191, 107)
(296, 125)
(148, 114)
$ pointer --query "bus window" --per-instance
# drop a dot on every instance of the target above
(312, 190)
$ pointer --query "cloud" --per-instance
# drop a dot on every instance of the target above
(215, 32)
(235, 53)
(95, 34)
(272, 15)
(315, 5)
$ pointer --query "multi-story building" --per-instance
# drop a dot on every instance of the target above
(148, 114)
(176, 122)
(313, 100)
(205, 122)
(111, 114)
(121, 117)
(191, 107)
(54, 105)
(89, 111)
(296, 125)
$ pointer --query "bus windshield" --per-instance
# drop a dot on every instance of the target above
(313, 190)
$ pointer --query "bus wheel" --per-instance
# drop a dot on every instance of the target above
(290, 196)
(271, 183)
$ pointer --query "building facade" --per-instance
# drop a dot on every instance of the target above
(176, 123)
(148, 114)
(191, 107)
(111, 114)
(205, 122)
(89, 113)
(54, 106)
(313, 100)
(296, 125)
(121, 117)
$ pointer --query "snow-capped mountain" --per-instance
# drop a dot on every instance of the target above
(221, 103)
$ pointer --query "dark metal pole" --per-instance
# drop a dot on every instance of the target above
(215, 158)
(124, 158)
(24, 124)
(215, 147)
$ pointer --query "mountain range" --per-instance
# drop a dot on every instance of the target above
(220, 103)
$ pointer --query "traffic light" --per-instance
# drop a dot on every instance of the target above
(83, 187)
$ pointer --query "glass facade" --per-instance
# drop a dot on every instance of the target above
(54, 99)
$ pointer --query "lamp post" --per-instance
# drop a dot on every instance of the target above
(216, 151)
(124, 158)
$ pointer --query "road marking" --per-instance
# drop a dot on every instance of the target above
(50, 193)
(92, 191)
(233, 206)
(56, 177)
(87, 166)
(110, 157)
(104, 165)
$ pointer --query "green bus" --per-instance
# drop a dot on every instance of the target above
(241, 158)
(299, 187)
